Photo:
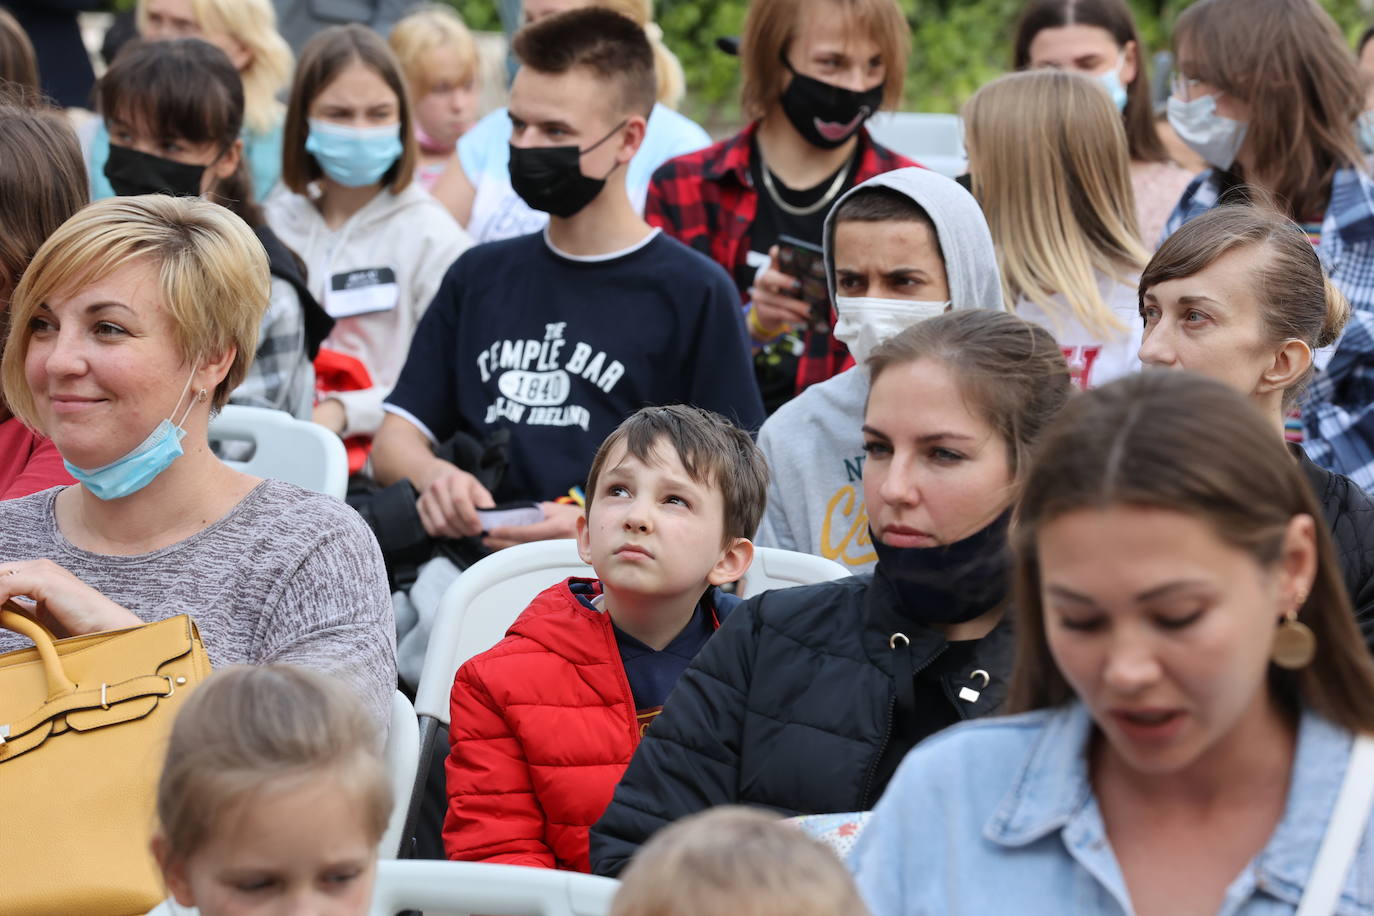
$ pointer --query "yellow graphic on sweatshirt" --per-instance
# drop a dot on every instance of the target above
(846, 513)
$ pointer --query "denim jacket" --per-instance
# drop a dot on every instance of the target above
(1000, 810)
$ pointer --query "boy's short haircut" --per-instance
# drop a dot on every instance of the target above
(736, 861)
(713, 452)
(881, 205)
(610, 45)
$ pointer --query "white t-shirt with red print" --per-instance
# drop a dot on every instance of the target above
(1094, 358)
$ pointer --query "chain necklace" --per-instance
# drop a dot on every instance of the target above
(826, 198)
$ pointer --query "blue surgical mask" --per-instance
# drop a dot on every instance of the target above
(1111, 81)
(354, 156)
(1364, 130)
(1213, 137)
(139, 467)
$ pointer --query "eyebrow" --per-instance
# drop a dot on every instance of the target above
(1153, 594)
(928, 437)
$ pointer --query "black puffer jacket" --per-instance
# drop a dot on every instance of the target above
(1349, 514)
(789, 707)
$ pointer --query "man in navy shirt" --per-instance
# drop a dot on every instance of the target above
(558, 336)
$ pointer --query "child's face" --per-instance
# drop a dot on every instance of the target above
(302, 850)
(653, 531)
(449, 108)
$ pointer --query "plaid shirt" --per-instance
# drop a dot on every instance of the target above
(707, 200)
(1338, 407)
(280, 376)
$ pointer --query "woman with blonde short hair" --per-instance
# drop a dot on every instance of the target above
(133, 323)
(1048, 156)
(246, 31)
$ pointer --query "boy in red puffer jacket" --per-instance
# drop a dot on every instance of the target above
(544, 723)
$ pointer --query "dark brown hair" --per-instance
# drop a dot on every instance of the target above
(322, 59)
(250, 729)
(770, 26)
(1128, 443)
(1287, 60)
(1009, 369)
(42, 183)
(184, 89)
(18, 62)
(713, 451)
(881, 205)
(1297, 300)
(1115, 17)
(608, 44)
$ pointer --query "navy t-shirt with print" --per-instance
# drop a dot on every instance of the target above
(559, 350)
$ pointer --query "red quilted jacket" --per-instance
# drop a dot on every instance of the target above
(543, 725)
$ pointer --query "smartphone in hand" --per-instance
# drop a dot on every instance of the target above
(806, 263)
(510, 515)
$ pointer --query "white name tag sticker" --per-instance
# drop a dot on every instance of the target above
(361, 292)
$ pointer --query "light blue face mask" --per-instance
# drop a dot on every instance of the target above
(1215, 138)
(354, 156)
(1111, 81)
(1364, 130)
(149, 458)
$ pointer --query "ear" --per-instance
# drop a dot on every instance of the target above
(173, 872)
(631, 137)
(734, 562)
(584, 540)
(228, 164)
(239, 54)
(213, 369)
(1297, 559)
(1291, 361)
(1130, 62)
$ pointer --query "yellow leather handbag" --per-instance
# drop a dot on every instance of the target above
(83, 730)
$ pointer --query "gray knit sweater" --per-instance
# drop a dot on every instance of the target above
(287, 576)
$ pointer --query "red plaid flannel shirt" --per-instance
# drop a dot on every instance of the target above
(707, 200)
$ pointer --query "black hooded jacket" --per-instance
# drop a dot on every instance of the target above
(1349, 514)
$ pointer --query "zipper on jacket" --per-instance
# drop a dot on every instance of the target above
(866, 798)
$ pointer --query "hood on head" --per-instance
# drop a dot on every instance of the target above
(970, 261)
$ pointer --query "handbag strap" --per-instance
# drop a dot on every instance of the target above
(1343, 832)
(12, 619)
(102, 697)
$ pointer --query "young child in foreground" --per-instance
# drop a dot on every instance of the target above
(273, 792)
(736, 861)
(544, 723)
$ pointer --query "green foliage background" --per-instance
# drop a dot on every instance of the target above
(957, 45)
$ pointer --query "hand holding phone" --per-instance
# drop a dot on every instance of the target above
(806, 263)
(510, 515)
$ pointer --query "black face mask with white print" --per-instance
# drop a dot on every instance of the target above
(826, 116)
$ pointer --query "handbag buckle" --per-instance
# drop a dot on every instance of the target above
(171, 686)
(4, 733)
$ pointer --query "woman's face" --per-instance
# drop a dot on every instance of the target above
(104, 366)
(935, 470)
(299, 850)
(168, 19)
(220, 162)
(1187, 88)
(830, 47)
(1210, 323)
(356, 97)
(1164, 630)
(449, 108)
(1087, 49)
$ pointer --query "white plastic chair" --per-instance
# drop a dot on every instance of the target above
(402, 755)
(497, 890)
(284, 448)
(775, 568)
(934, 140)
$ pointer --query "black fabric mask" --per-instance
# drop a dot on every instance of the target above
(951, 583)
(827, 116)
(549, 178)
(131, 172)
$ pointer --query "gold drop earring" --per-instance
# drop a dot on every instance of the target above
(1295, 645)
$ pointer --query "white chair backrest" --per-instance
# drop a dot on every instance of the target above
(402, 755)
(496, 890)
(476, 611)
(776, 568)
(934, 140)
(284, 448)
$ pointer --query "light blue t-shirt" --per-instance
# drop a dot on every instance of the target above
(263, 151)
(499, 213)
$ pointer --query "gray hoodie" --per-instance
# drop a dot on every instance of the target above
(813, 443)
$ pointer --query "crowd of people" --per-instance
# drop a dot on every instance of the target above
(1105, 642)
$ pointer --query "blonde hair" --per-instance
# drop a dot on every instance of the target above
(212, 276)
(736, 861)
(253, 729)
(253, 24)
(770, 26)
(427, 30)
(672, 82)
(1052, 173)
